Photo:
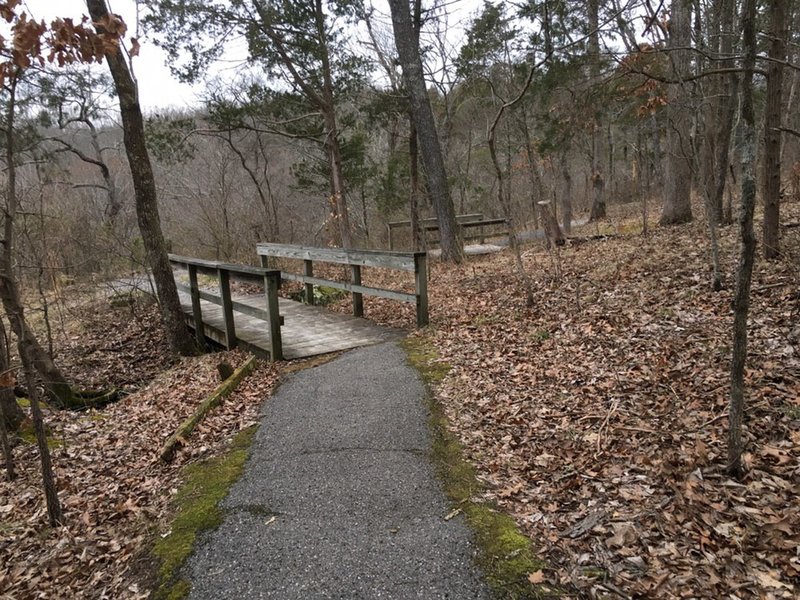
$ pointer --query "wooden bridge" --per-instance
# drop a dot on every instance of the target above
(278, 328)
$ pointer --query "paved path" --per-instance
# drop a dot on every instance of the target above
(339, 498)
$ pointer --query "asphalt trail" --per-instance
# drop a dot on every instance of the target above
(339, 498)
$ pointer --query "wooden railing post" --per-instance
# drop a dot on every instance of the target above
(421, 279)
(227, 307)
(197, 312)
(390, 229)
(308, 271)
(358, 299)
(272, 282)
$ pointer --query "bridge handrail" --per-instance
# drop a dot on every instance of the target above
(464, 222)
(415, 262)
(269, 278)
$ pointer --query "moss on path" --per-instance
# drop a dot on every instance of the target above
(506, 555)
(197, 510)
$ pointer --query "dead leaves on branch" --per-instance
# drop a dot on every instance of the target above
(63, 42)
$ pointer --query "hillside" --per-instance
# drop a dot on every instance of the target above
(597, 417)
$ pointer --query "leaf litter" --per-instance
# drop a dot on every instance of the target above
(114, 490)
(597, 417)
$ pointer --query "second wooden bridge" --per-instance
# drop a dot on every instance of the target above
(279, 328)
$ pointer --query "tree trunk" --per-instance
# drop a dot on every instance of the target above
(180, 339)
(566, 198)
(741, 301)
(8, 454)
(10, 412)
(332, 143)
(723, 143)
(534, 188)
(593, 46)
(678, 184)
(418, 235)
(54, 513)
(772, 124)
(407, 43)
(598, 197)
(334, 151)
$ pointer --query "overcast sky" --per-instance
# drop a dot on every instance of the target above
(157, 87)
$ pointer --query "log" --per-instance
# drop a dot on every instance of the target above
(215, 399)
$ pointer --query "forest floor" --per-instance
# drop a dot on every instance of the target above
(115, 491)
(596, 417)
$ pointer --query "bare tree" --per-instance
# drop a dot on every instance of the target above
(678, 182)
(180, 339)
(741, 301)
(772, 127)
(598, 182)
(407, 41)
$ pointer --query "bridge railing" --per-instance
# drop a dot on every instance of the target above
(414, 262)
(429, 224)
(224, 272)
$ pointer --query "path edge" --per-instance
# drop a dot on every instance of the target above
(505, 555)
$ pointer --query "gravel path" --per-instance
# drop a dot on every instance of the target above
(339, 498)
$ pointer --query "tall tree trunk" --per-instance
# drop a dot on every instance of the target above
(593, 46)
(407, 43)
(727, 110)
(772, 123)
(334, 151)
(678, 183)
(792, 111)
(180, 339)
(8, 454)
(534, 186)
(566, 197)
(54, 513)
(10, 412)
(418, 234)
(332, 142)
(741, 301)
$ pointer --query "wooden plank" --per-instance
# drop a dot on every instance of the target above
(244, 273)
(227, 308)
(197, 313)
(403, 261)
(253, 311)
(271, 284)
(421, 277)
(459, 219)
(309, 330)
(358, 297)
(349, 287)
(308, 271)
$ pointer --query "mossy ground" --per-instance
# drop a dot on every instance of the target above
(506, 555)
(197, 510)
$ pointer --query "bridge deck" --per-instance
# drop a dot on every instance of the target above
(306, 331)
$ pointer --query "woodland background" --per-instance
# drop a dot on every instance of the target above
(639, 136)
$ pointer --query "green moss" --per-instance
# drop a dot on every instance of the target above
(423, 357)
(538, 336)
(505, 554)
(323, 295)
(197, 510)
(492, 319)
(27, 434)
